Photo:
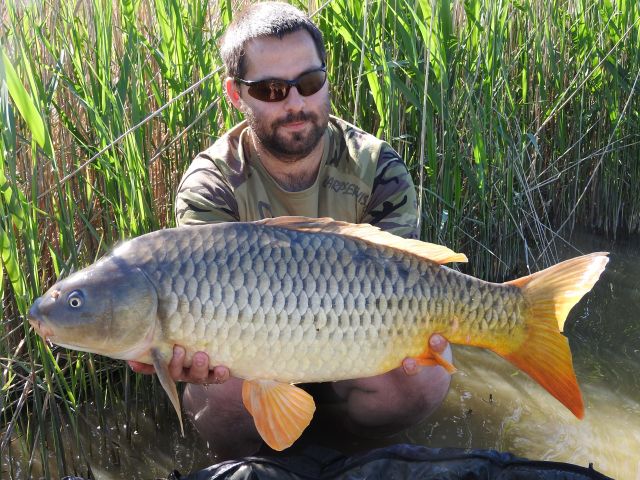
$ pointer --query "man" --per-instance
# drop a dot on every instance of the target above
(291, 157)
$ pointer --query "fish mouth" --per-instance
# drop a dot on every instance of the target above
(38, 325)
(41, 329)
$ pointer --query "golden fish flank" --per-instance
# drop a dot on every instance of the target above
(264, 309)
(291, 300)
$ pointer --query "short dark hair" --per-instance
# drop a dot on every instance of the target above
(264, 19)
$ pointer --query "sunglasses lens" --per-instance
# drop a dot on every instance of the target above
(274, 90)
(311, 82)
(269, 90)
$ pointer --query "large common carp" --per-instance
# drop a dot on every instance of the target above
(293, 299)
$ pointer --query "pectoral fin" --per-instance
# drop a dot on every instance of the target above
(280, 411)
(161, 364)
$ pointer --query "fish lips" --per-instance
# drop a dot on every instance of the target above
(35, 319)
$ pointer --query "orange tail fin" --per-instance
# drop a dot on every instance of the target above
(545, 354)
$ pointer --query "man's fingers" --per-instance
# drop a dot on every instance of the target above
(199, 371)
(220, 374)
(410, 366)
(176, 365)
(438, 343)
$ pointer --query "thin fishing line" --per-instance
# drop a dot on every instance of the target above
(208, 109)
(146, 120)
(184, 131)
(130, 130)
(604, 59)
(605, 150)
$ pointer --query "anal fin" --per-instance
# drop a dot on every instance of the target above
(280, 411)
(429, 358)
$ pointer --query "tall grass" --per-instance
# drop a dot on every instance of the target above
(518, 119)
(530, 113)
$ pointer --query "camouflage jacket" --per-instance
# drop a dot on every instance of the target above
(361, 180)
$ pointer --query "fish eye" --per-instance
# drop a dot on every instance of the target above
(75, 299)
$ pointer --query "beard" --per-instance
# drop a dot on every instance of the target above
(290, 147)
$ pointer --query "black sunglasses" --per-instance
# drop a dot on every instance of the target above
(276, 90)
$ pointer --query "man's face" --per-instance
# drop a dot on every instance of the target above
(292, 128)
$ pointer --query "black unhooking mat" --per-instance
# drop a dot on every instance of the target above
(395, 462)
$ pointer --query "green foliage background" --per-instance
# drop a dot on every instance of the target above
(518, 119)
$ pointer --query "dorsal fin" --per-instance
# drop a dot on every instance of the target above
(367, 233)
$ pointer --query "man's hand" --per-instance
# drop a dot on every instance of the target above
(437, 344)
(404, 396)
(198, 372)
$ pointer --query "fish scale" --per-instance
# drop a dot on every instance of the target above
(223, 298)
(390, 289)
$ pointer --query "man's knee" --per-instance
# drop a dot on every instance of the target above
(220, 418)
(394, 401)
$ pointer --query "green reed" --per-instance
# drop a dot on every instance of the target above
(530, 109)
(518, 120)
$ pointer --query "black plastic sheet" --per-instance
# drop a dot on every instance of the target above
(401, 461)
